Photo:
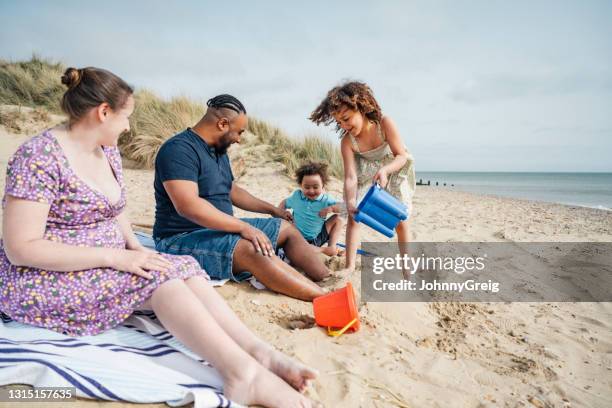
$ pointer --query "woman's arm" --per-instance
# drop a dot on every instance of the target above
(23, 230)
(131, 242)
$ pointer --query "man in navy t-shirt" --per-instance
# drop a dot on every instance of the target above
(194, 195)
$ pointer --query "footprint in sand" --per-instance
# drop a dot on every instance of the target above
(300, 322)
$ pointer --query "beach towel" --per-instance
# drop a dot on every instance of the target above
(138, 361)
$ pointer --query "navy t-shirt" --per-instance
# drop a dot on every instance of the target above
(186, 156)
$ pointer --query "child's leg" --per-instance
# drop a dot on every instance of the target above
(403, 238)
(334, 227)
(403, 231)
(245, 380)
(293, 372)
(352, 242)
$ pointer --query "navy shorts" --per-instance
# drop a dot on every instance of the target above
(320, 239)
(214, 250)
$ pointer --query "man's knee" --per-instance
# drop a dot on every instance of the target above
(244, 250)
(288, 230)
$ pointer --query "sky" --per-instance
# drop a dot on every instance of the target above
(471, 85)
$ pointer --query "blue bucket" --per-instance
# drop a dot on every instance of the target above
(381, 211)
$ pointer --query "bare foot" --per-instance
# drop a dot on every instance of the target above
(347, 270)
(257, 386)
(293, 372)
(332, 251)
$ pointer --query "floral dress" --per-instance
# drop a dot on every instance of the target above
(81, 302)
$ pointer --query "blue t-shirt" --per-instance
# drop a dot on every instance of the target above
(306, 212)
(186, 156)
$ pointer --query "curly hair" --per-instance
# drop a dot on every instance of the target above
(310, 169)
(354, 95)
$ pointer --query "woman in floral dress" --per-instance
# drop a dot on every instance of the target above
(69, 260)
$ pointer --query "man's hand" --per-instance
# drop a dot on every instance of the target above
(260, 241)
(282, 213)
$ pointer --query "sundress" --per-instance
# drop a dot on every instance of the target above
(401, 184)
(84, 302)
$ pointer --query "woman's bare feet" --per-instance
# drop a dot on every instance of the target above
(255, 385)
(293, 372)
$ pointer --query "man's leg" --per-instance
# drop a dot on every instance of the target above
(274, 273)
(301, 253)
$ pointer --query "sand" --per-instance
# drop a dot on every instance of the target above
(428, 354)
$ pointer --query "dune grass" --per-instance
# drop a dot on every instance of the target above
(292, 152)
(154, 120)
(36, 83)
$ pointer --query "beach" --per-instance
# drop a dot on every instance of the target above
(424, 354)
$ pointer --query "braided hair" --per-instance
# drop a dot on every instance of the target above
(226, 101)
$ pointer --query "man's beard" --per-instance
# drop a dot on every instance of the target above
(224, 144)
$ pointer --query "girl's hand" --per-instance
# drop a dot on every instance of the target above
(381, 177)
(351, 208)
(139, 262)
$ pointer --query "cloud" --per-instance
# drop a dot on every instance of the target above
(488, 88)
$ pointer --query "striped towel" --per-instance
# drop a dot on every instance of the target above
(137, 361)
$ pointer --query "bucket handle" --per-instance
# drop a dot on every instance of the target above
(338, 333)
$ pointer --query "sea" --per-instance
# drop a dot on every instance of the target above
(577, 189)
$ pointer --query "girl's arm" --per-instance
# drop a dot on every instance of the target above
(397, 148)
(350, 175)
(23, 231)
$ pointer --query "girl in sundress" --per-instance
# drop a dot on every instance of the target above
(372, 151)
(69, 260)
